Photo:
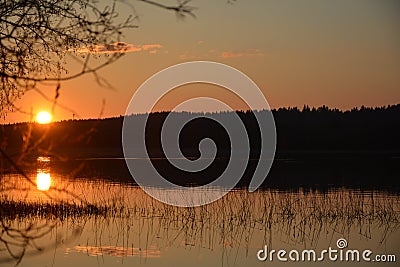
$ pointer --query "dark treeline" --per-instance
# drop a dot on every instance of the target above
(332, 129)
(298, 130)
(315, 146)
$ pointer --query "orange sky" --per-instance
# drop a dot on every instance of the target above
(336, 53)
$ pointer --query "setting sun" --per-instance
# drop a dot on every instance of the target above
(43, 117)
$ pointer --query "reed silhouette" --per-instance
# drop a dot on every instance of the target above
(236, 223)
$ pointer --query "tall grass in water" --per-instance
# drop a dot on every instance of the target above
(125, 215)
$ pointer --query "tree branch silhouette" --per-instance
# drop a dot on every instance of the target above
(37, 37)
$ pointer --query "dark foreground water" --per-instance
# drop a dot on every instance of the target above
(55, 217)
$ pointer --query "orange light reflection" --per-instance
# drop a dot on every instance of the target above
(43, 181)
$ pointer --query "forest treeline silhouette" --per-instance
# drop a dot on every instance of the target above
(315, 147)
(307, 129)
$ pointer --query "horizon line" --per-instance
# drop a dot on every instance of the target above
(305, 108)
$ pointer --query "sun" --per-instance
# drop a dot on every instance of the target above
(43, 117)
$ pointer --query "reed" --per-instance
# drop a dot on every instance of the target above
(238, 221)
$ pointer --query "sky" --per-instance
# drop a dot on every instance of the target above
(342, 54)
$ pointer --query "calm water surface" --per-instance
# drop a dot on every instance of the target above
(52, 219)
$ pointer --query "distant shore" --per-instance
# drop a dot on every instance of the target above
(321, 146)
(300, 133)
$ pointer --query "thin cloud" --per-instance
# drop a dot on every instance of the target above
(186, 56)
(151, 46)
(151, 252)
(117, 47)
(246, 53)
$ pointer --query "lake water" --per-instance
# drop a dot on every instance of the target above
(61, 218)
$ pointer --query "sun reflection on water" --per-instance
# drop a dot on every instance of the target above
(43, 178)
(43, 181)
